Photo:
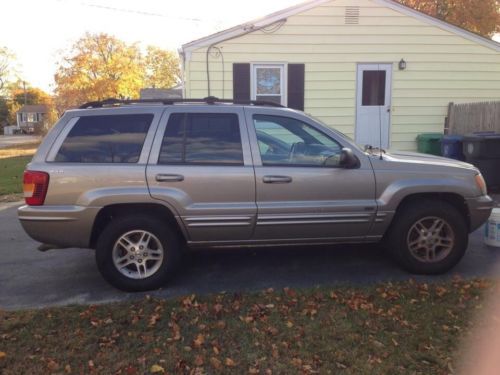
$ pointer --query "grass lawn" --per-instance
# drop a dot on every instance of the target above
(11, 174)
(405, 328)
(13, 160)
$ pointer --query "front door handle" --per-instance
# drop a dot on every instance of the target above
(169, 177)
(277, 179)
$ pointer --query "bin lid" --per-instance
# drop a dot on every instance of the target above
(453, 138)
(430, 136)
(482, 137)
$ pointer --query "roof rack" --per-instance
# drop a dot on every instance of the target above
(208, 100)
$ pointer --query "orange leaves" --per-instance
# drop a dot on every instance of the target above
(199, 341)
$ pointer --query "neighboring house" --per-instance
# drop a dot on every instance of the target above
(31, 118)
(154, 93)
(373, 69)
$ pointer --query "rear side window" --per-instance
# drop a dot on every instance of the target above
(202, 138)
(105, 139)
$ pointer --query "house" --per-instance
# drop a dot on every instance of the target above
(154, 93)
(373, 69)
(31, 118)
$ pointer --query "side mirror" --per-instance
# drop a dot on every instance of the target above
(348, 160)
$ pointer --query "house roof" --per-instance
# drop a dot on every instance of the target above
(272, 18)
(33, 108)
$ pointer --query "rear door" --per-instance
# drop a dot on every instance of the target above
(302, 192)
(201, 165)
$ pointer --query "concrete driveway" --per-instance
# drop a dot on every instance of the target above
(30, 279)
(11, 140)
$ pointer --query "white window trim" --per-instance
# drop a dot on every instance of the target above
(284, 77)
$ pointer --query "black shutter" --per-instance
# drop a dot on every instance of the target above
(296, 77)
(241, 82)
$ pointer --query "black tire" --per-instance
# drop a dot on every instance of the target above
(122, 225)
(411, 213)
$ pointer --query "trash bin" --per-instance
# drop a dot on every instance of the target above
(451, 147)
(484, 145)
(429, 143)
(483, 151)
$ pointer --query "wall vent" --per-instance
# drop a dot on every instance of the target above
(352, 15)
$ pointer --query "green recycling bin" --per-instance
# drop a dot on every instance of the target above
(429, 143)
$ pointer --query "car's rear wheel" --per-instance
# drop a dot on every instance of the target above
(137, 253)
(428, 236)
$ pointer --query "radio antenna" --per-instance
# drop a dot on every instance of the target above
(380, 122)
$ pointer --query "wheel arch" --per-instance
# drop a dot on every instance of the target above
(454, 199)
(157, 210)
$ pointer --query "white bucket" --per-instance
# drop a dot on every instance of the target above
(492, 229)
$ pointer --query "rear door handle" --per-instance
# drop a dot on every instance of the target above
(169, 177)
(277, 179)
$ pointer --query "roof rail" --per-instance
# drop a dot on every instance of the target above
(208, 100)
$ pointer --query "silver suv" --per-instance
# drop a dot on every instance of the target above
(140, 182)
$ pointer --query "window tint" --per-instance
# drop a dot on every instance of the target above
(202, 138)
(373, 87)
(287, 141)
(105, 139)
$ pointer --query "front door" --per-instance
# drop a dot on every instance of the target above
(373, 104)
(301, 190)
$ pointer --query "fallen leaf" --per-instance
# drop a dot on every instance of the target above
(217, 364)
(198, 360)
(156, 369)
(229, 362)
(200, 339)
(2, 355)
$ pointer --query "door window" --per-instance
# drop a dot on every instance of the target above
(373, 88)
(105, 139)
(202, 138)
(287, 141)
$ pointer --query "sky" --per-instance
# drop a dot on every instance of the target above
(39, 31)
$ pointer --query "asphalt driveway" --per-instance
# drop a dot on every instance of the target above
(30, 279)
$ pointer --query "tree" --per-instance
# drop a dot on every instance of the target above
(98, 66)
(162, 69)
(6, 67)
(479, 16)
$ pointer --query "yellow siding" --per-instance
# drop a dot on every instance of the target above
(441, 66)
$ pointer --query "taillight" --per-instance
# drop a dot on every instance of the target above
(35, 185)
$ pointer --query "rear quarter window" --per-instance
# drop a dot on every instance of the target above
(105, 139)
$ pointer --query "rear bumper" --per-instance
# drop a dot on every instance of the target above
(64, 226)
(479, 210)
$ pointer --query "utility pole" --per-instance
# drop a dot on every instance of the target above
(25, 93)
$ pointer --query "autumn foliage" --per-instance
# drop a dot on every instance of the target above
(479, 16)
(100, 66)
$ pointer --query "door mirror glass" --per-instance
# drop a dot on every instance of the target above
(347, 159)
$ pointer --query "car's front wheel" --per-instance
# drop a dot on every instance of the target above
(428, 236)
(137, 253)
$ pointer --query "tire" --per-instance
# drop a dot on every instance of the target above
(421, 244)
(135, 265)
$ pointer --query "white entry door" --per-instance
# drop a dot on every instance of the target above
(373, 104)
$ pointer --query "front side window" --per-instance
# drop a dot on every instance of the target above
(202, 138)
(288, 141)
(105, 139)
(268, 83)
